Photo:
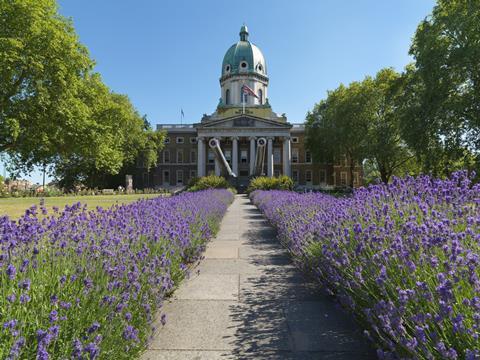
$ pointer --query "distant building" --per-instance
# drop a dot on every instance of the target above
(243, 116)
(18, 185)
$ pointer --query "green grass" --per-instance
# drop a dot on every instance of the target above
(15, 207)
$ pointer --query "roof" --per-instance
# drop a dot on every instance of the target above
(244, 57)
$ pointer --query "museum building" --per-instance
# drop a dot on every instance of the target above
(244, 126)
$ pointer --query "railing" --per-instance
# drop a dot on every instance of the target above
(174, 126)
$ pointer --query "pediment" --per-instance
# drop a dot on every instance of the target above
(245, 121)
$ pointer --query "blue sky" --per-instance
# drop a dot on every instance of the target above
(166, 55)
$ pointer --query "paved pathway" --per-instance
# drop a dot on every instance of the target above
(249, 302)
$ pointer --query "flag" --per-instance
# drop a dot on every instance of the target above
(181, 113)
(247, 91)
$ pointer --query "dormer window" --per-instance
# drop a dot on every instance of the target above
(260, 67)
(243, 65)
(227, 68)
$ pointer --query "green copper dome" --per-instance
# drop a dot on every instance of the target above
(243, 57)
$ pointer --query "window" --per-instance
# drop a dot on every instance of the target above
(193, 140)
(228, 156)
(166, 156)
(243, 97)
(180, 177)
(294, 140)
(308, 157)
(308, 176)
(243, 172)
(243, 156)
(243, 65)
(167, 140)
(211, 157)
(193, 173)
(166, 177)
(260, 96)
(193, 156)
(227, 68)
(179, 156)
(260, 67)
(343, 178)
(294, 155)
(323, 177)
(277, 158)
(180, 140)
(295, 175)
(227, 97)
(276, 173)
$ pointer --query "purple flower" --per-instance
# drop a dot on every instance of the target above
(53, 317)
(11, 271)
(130, 333)
(95, 326)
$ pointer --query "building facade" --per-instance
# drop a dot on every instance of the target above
(243, 116)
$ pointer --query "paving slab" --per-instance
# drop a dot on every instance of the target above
(196, 325)
(244, 266)
(248, 250)
(209, 287)
(246, 300)
(215, 251)
(292, 286)
(322, 325)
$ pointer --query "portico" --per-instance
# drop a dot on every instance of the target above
(230, 144)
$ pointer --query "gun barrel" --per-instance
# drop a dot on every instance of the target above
(217, 150)
(260, 158)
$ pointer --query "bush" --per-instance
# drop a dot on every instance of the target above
(208, 182)
(403, 257)
(86, 284)
(270, 183)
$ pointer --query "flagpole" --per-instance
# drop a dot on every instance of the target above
(243, 101)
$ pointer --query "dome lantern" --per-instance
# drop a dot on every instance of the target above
(244, 33)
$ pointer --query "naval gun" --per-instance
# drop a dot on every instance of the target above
(260, 158)
(217, 150)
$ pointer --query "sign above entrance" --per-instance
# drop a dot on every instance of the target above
(244, 122)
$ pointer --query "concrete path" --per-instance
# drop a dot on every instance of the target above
(249, 302)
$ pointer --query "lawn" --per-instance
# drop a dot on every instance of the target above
(15, 207)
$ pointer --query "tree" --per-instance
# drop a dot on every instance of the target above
(116, 138)
(442, 119)
(362, 122)
(54, 110)
(337, 126)
(42, 67)
(387, 152)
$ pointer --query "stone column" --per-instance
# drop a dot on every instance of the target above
(252, 155)
(235, 155)
(270, 157)
(287, 156)
(200, 157)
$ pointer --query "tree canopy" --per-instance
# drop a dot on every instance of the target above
(54, 109)
(424, 119)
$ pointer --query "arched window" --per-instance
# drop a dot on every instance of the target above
(227, 97)
(260, 96)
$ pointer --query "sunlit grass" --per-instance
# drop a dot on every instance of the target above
(15, 207)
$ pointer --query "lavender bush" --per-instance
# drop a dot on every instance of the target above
(85, 284)
(403, 257)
